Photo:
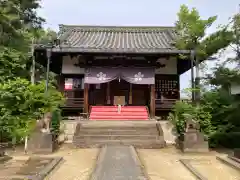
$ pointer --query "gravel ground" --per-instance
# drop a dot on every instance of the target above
(160, 164)
(164, 164)
(78, 164)
(215, 170)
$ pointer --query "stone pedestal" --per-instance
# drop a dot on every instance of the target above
(3, 156)
(236, 153)
(41, 143)
(193, 140)
(2, 151)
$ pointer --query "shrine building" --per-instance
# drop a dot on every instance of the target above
(103, 66)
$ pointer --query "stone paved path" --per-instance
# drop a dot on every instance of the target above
(118, 163)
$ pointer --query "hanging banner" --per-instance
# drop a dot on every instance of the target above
(138, 75)
(98, 75)
(132, 75)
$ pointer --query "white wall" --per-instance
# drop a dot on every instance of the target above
(68, 66)
(170, 68)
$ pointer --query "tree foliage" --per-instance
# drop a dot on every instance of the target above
(218, 112)
(191, 30)
(21, 102)
(235, 29)
(181, 109)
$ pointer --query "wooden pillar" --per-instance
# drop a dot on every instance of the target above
(130, 94)
(49, 55)
(192, 76)
(152, 100)
(61, 83)
(86, 86)
(108, 93)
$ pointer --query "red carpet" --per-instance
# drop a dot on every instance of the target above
(111, 113)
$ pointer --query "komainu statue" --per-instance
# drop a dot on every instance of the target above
(44, 123)
(41, 139)
(193, 140)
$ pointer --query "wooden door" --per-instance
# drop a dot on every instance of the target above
(98, 94)
(140, 95)
(119, 92)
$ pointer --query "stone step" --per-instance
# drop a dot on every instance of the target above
(122, 113)
(105, 128)
(98, 133)
(110, 133)
(119, 117)
(118, 131)
(117, 124)
(155, 144)
(115, 137)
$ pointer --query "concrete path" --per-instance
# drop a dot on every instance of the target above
(118, 163)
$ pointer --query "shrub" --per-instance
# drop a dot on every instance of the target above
(55, 123)
(177, 117)
(225, 139)
(21, 103)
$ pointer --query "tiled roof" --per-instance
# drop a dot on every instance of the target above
(117, 39)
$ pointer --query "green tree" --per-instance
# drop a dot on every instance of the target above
(234, 26)
(191, 35)
(217, 112)
(191, 30)
(21, 102)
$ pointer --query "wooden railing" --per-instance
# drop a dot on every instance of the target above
(75, 103)
(164, 104)
(167, 104)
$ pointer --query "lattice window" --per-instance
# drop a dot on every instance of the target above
(165, 88)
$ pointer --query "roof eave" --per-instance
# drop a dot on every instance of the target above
(98, 50)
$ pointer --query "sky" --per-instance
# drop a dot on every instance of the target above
(134, 13)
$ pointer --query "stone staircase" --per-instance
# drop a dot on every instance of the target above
(141, 134)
